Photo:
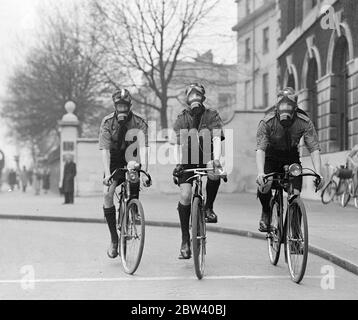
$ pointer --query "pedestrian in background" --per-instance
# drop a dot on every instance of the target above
(46, 180)
(38, 179)
(68, 182)
(30, 174)
(24, 178)
(12, 179)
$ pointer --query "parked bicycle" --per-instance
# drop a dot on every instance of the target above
(131, 220)
(293, 230)
(345, 188)
(198, 222)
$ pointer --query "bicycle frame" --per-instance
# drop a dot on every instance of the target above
(123, 196)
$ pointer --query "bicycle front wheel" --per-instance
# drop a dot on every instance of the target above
(275, 233)
(296, 243)
(132, 236)
(329, 192)
(198, 230)
(356, 197)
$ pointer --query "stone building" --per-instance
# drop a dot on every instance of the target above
(257, 33)
(318, 56)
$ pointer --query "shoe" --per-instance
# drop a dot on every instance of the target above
(264, 224)
(185, 252)
(112, 251)
(210, 216)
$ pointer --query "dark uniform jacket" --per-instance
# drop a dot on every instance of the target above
(209, 127)
(282, 144)
(69, 174)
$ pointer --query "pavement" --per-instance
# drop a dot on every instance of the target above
(41, 266)
(333, 231)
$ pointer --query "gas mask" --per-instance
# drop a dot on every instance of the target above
(286, 114)
(122, 103)
(195, 94)
(122, 111)
(195, 104)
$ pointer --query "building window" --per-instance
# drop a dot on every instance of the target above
(225, 105)
(266, 40)
(248, 8)
(340, 59)
(291, 15)
(223, 100)
(265, 90)
(308, 5)
(247, 50)
(247, 94)
(312, 77)
(291, 81)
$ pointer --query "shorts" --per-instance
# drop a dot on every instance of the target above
(185, 176)
(119, 176)
(277, 166)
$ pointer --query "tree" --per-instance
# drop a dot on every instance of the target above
(57, 69)
(146, 39)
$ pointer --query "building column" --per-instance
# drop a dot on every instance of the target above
(327, 114)
(303, 104)
(68, 136)
(353, 102)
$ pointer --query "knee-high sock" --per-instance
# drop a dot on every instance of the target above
(184, 216)
(212, 187)
(110, 215)
(265, 199)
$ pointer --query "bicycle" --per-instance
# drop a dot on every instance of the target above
(131, 220)
(198, 220)
(330, 190)
(293, 230)
(345, 188)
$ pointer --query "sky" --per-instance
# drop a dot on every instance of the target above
(18, 23)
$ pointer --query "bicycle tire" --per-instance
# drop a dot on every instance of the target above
(129, 232)
(297, 273)
(274, 236)
(356, 197)
(198, 230)
(330, 190)
(346, 195)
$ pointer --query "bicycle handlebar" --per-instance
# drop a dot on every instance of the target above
(204, 172)
(126, 170)
(281, 175)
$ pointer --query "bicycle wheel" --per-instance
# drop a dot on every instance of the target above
(329, 192)
(275, 233)
(296, 243)
(132, 236)
(346, 195)
(356, 197)
(198, 230)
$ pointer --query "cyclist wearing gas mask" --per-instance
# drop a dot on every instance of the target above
(278, 138)
(198, 138)
(113, 145)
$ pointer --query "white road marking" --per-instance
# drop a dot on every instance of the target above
(136, 278)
